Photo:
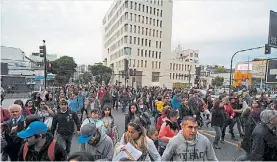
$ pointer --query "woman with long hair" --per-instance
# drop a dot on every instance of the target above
(218, 120)
(107, 118)
(136, 136)
(30, 106)
(132, 115)
(36, 99)
(50, 101)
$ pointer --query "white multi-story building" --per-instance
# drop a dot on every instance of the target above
(139, 31)
(181, 68)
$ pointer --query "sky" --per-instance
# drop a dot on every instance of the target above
(74, 28)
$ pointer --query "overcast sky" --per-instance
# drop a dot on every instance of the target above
(216, 28)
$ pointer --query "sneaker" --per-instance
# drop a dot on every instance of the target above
(222, 140)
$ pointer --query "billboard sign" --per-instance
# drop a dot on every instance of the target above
(272, 36)
(271, 71)
(244, 67)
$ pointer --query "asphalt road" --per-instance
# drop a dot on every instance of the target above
(228, 152)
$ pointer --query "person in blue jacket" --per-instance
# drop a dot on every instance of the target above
(176, 101)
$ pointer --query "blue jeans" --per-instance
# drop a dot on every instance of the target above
(218, 134)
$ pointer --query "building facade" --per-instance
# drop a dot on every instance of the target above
(139, 31)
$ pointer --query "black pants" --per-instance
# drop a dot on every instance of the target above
(65, 141)
(230, 123)
(2, 98)
(115, 103)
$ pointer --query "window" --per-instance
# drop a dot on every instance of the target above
(146, 9)
(161, 3)
(153, 32)
(150, 10)
(131, 28)
(185, 67)
(131, 5)
(125, 39)
(142, 30)
(173, 76)
(131, 16)
(146, 31)
(146, 20)
(157, 44)
(149, 32)
(169, 73)
(160, 34)
(161, 13)
(145, 55)
(195, 55)
(135, 40)
(156, 65)
(173, 67)
(154, 11)
(170, 66)
(142, 41)
(153, 53)
(145, 63)
(135, 17)
(138, 41)
(156, 54)
(142, 21)
(149, 43)
(141, 63)
(150, 21)
(160, 55)
(154, 20)
(126, 4)
(134, 64)
(176, 66)
(141, 52)
(139, 7)
(149, 54)
(160, 44)
(126, 27)
(182, 67)
(158, 12)
(158, 2)
(142, 8)
(138, 52)
(130, 39)
(145, 42)
(152, 64)
(135, 28)
(159, 65)
(161, 24)
(138, 18)
(157, 22)
(157, 33)
(126, 15)
(135, 5)
(138, 29)
(138, 64)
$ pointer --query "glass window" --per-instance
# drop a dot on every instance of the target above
(149, 32)
(138, 18)
(126, 27)
(145, 64)
(149, 43)
(157, 22)
(142, 8)
(125, 39)
(160, 34)
(156, 65)
(142, 41)
(139, 7)
(150, 10)
(135, 5)
(138, 29)
(161, 13)
(146, 31)
(146, 20)
(130, 40)
(131, 16)
(138, 52)
(161, 24)
(160, 44)
(152, 64)
(135, 17)
(145, 42)
(153, 32)
(141, 63)
(131, 28)
(142, 30)
(154, 11)
(170, 66)
(149, 54)
(146, 9)
(157, 33)
(153, 53)
(138, 64)
(135, 28)
(135, 40)
(154, 21)
(138, 41)
(141, 53)
(145, 53)
(160, 55)
(156, 54)
(169, 73)
(159, 65)
(142, 21)
(131, 5)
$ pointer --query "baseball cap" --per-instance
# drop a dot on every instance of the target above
(87, 132)
(35, 128)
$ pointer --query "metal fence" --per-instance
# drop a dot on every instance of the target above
(18, 94)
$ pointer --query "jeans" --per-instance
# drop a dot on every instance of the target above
(65, 141)
(218, 134)
(239, 126)
(124, 105)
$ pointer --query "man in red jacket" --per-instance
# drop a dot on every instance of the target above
(230, 114)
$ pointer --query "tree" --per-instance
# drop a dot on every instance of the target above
(87, 77)
(101, 73)
(218, 81)
(220, 69)
(64, 68)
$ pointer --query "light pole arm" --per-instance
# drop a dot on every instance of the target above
(231, 70)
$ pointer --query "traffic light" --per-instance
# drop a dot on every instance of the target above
(42, 51)
(267, 49)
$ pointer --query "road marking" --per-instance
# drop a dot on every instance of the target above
(208, 134)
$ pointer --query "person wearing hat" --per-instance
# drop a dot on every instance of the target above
(264, 144)
(95, 119)
(96, 142)
(39, 145)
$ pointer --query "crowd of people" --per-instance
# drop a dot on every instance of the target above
(160, 125)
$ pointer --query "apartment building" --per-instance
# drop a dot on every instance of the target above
(139, 31)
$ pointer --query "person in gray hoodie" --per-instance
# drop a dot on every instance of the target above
(189, 144)
(96, 142)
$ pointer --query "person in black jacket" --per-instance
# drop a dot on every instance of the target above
(264, 144)
(185, 110)
(65, 119)
(218, 120)
(132, 115)
(39, 145)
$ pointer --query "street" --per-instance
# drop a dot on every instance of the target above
(228, 152)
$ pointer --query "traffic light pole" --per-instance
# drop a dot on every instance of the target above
(231, 69)
(45, 66)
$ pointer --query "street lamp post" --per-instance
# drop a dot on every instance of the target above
(231, 70)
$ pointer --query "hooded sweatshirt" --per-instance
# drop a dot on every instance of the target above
(179, 149)
(104, 149)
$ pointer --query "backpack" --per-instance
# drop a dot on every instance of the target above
(51, 151)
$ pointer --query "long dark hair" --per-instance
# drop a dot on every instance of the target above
(131, 113)
(107, 107)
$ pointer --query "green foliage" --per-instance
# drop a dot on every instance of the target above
(64, 68)
(220, 69)
(86, 77)
(218, 81)
(101, 73)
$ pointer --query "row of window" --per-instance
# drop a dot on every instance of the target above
(139, 64)
(180, 67)
(144, 8)
(176, 76)
(144, 19)
(118, 13)
(143, 30)
(149, 53)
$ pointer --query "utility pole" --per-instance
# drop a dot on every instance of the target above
(42, 50)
